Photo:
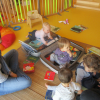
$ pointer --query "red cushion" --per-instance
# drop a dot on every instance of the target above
(6, 31)
(7, 40)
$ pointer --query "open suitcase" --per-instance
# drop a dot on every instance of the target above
(43, 51)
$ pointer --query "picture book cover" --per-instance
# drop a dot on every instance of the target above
(54, 28)
(48, 95)
(36, 43)
(27, 61)
(31, 59)
(78, 28)
(94, 50)
(75, 53)
(28, 68)
(49, 76)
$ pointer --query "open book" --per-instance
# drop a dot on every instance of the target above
(27, 47)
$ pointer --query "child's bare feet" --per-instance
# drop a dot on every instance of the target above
(13, 74)
(46, 85)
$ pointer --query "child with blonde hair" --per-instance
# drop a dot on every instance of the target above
(62, 55)
(45, 31)
(65, 90)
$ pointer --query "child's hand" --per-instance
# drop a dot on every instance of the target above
(13, 74)
(50, 37)
(46, 43)
(69, 52)
(46, 85)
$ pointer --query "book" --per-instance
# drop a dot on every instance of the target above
(49, 76)
(94, 50)
(36, 43)
(48, 95)
(28, 68)
(31, 59)
(27, 47)
(54, 28)
(78, 28)
(75, 53)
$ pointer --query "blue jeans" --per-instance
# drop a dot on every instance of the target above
(13, 84)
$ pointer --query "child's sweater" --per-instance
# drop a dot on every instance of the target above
(64, 93)
(63, 57)
(81, 73)
(40, 34)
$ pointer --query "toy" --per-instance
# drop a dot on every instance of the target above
(65, 22)
(16, 28)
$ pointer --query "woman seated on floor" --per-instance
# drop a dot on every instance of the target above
(12, 79)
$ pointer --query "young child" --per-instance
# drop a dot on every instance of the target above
(87, 71)
(62, 55)
(65, 90)
(45, 31)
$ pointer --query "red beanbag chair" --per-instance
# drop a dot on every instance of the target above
(2, 47)
(7, 40)
(7, 37)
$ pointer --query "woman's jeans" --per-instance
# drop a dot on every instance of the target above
(12, 84)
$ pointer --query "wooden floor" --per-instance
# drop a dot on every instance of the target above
(37, 90)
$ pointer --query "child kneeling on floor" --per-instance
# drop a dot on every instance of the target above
(62, 55)
(65, 90)
(45, 31)
(87, 73)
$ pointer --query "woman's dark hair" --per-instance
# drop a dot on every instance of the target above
(65, 75)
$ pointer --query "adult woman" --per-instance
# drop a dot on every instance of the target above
(12, 79)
